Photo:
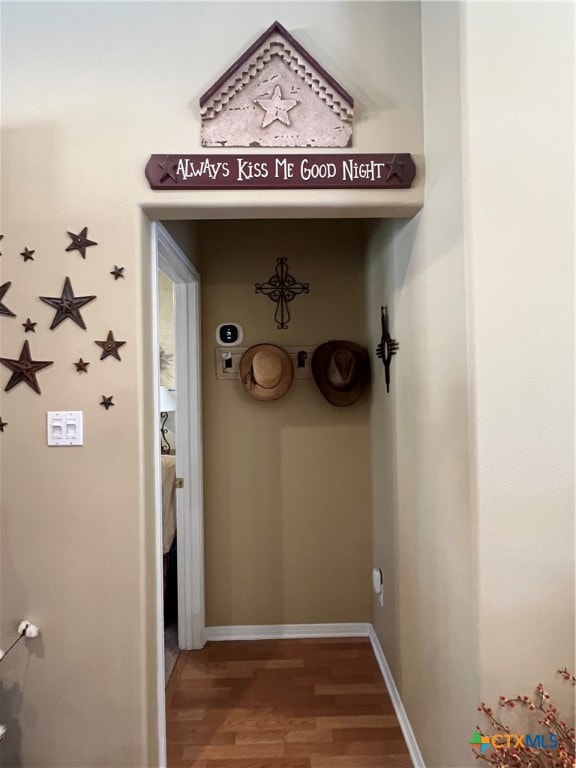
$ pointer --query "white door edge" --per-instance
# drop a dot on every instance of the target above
(168, 257)
(189, 510)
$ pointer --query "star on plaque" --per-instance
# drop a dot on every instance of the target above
(27, 255)
(169, 170)
(67, 305)
(81, 366)
(118, 272)
(276, 108)
(29, 326)
(2, 424)
(107, 401)
(395, 168)
(24, 369)
(110, 347)
(80, 242)
(3, 308)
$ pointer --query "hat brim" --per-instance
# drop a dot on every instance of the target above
(321, 359)
(251, 387)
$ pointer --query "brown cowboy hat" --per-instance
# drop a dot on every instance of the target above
(266, 371)
(341, 369)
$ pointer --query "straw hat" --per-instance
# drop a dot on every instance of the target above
(341, 369)
(266, 372)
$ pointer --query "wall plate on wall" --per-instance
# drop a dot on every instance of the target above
(64, 428)
(229, 334)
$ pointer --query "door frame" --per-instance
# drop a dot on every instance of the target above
(167, 256)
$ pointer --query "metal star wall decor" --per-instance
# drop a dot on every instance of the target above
(118, 272)
(24, 369)
(107, 401)
(81, 366)
(27, 255)
(67, 306)
(282, 288)
(2, 423)
(1, 238)
(110, 347)
(387, 347)
(29, 326)
(3, 308)
(80, 242)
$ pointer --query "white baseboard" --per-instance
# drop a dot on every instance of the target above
(286, 631)
(405, 726)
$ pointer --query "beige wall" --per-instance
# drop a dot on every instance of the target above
(287, 501)
(89, 91)
(424, 523)
(520, 247)
(473, 451)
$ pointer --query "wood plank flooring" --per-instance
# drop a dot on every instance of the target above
(282, 704)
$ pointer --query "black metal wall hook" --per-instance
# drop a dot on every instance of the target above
(387, 347)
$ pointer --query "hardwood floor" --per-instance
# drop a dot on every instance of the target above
(282, 704)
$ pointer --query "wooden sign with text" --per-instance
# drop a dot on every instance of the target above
(255, 171)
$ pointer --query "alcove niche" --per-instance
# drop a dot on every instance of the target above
(287, 484)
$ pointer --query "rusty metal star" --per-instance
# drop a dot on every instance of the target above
(107, 401)
(24, 369)
(29, 326)
(1, 238)
(81, 366)
(110, 346)
(27, 255)
(67, 305)
(3, 308)
(2, 424)
(80, 242)
(117, 272)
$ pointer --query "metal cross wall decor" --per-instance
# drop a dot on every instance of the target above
(387, 347)
(282, 287)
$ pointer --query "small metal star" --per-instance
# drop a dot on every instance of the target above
(24, 369)
(110, 347)
(2, 424)
(67, 305)
(107, 401)
(3, 308)
(1, 238)
(29, 326)
(80, 242)
(81, 366)
(28, 255)
(117, 272)
(168, 167)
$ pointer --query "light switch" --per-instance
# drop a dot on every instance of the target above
(64, 428)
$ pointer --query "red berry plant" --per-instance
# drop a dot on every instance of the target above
(512, 752)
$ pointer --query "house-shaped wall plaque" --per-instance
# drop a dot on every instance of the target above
(276, 95)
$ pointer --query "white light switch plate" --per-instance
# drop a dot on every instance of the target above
(64, 428)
